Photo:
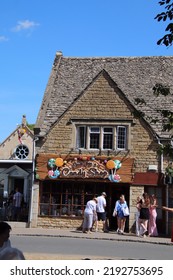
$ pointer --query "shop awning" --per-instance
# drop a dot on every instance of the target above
(148, 179)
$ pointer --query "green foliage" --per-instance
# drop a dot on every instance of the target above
(167, 15)
(31, 126)
(161, 89)
(166, 149)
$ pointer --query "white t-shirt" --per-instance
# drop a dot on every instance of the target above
(90, 207)
(5, 245)
(101, 204)
(17, 199)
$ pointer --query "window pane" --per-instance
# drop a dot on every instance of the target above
(81, 134)
(94, 141)
(121, 137)
(95, 129)
(108, 129)
(107, 141)
(94, 137)
(107, 138)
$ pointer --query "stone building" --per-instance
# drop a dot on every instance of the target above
(91, 139)
(16, 169)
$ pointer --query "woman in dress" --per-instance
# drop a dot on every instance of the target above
(144, 216)
(152, 226)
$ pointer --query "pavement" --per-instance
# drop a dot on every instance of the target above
(19, 230)
(73, 233)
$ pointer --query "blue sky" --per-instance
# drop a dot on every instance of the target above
(31, 31)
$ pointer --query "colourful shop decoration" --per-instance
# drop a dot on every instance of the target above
(53, 173)
(113, 165)
(84, 167)
(117, 164)
(110, 164)
(51, 163)
(59, 162)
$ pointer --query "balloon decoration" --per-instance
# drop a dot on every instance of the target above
(54, 173)
(59, 162)
(110, 164)
(113, 166)
(51, 163)
(117, 164)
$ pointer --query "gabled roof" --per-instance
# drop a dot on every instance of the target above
(134, 76)
(24, 126)
(14, 171)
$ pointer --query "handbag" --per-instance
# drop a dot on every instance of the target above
(126, 211)
(114, 213)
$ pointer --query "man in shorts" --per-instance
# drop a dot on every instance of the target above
(100, 208)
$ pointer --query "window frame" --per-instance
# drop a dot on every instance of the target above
(21, 147)
(102, 125)
(65, 200)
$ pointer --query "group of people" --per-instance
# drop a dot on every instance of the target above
(146, 215)
(95, 212)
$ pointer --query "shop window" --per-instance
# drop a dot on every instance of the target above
(101, 137)
(64, 200)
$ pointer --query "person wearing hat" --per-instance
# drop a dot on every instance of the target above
(89, 215)
(101, 213)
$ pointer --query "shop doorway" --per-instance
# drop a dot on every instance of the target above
(115, 192)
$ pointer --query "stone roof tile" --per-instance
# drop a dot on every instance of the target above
(134, 76)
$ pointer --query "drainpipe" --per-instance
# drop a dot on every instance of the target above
(32, 187)
(167, 187)
(161, 157)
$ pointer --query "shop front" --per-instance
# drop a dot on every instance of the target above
(67, 183)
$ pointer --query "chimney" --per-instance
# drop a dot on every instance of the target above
(23, 120)
(59, 53)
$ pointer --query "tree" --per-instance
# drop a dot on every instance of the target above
(166, 117)
(167, 15)
(159, 89)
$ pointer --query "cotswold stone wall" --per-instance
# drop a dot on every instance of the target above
(135, 191)
(60, 223)
(102, 100)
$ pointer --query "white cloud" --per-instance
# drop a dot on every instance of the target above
(24, 25)
(3, 39)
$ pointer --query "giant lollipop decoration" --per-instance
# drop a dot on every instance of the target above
(113, 165)
(53, 173)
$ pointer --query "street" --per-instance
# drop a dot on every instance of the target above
(40, 247)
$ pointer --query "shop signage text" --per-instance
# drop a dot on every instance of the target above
(84, 169)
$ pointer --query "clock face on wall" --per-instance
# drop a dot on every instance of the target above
(22, 152)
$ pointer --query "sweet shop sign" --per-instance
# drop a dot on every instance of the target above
(86, 167)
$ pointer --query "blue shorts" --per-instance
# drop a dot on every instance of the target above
(101, 216)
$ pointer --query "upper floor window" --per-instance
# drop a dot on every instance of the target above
(101, 137)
